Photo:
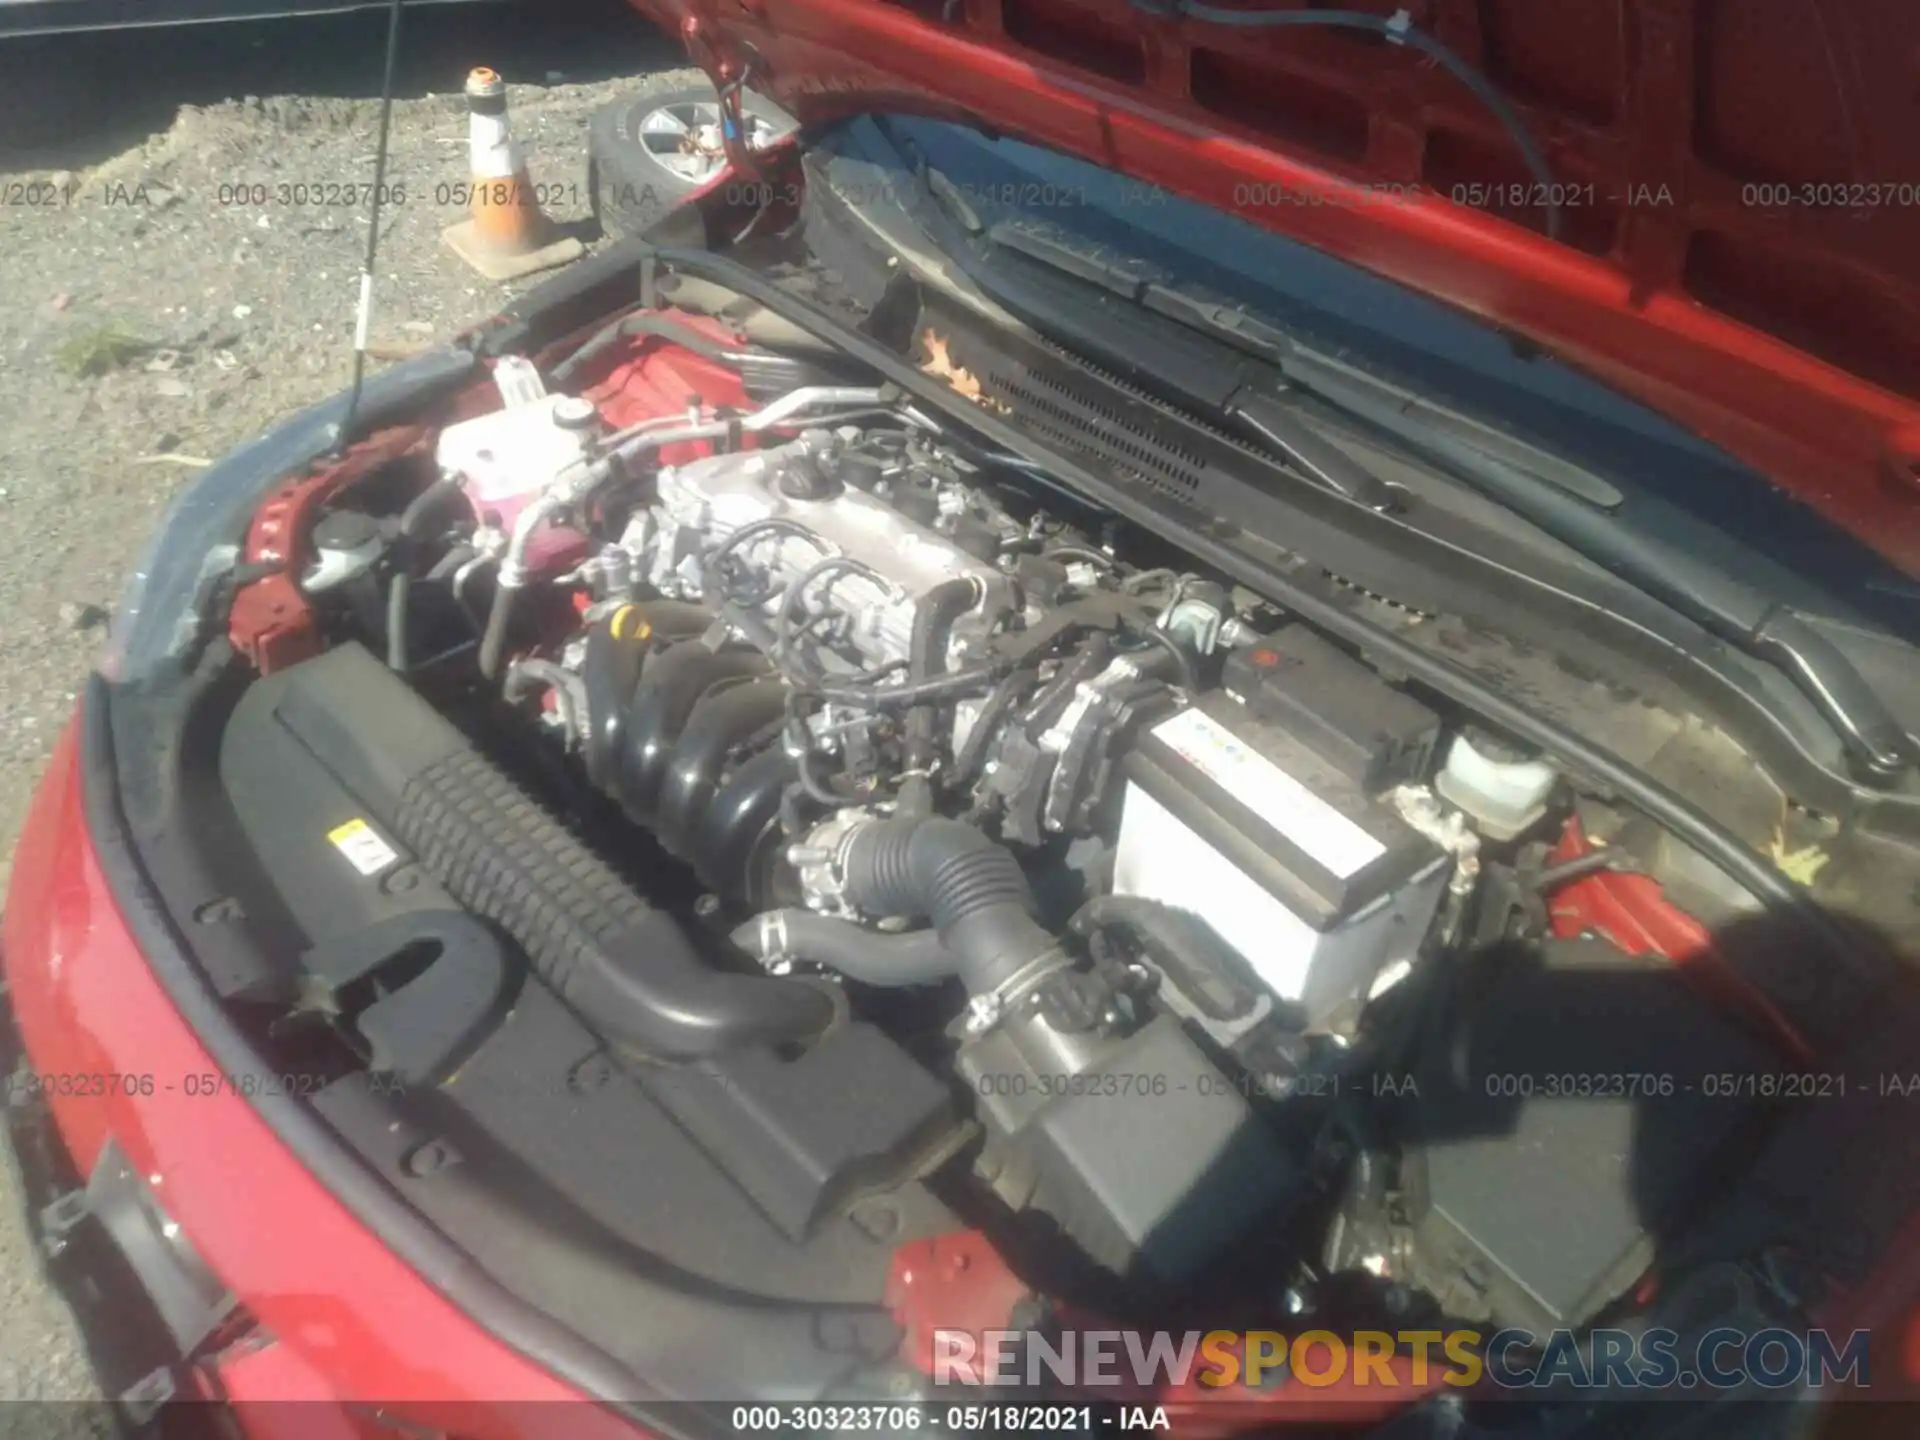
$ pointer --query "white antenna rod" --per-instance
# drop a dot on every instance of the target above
(363, 315)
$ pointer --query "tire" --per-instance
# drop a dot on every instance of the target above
(639, 167)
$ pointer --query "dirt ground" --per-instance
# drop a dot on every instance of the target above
(180, 247)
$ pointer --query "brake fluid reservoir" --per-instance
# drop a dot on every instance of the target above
(1503, 791)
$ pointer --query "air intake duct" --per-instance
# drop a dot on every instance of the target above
(627, 968)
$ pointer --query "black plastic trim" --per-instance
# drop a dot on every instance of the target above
(372, 1202)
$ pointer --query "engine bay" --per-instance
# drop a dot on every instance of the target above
(792, 828)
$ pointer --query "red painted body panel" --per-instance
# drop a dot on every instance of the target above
(959, 1282)
(1632, 913)
(664, 378)
(1787, 332)
(355, 1320)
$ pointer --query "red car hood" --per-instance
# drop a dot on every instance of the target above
(1741, 177)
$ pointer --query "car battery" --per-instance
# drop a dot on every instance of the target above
(1324, 891)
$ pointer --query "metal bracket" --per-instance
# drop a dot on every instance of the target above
(142, 1400)
(60, 1217)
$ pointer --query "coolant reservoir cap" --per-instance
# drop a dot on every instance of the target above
(575, 412)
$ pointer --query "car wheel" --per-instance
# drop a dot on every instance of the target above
(652, 148)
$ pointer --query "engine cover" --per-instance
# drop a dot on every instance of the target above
(813, 491)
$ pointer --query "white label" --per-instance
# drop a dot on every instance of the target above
(1162, 859)
(363, 847)
(1275, 796)
(494, 155)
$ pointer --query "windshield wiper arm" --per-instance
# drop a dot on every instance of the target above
(1315, 456)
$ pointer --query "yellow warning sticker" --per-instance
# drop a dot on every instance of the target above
(363, 847)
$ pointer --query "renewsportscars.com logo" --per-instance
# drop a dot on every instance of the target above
(1228, 1362)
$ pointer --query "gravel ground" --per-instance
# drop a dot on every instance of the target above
(241, 312)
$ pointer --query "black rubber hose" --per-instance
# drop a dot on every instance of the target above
(672, 683)
(721, 723)
(413, 521)
(493, 641)
(933, 620)
(1185, 668)
(399, 597)
(872, 957)
(627, 968)
(987, 724)
(969, 885)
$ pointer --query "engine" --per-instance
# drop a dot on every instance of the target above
(1012, 843)
(913, 737)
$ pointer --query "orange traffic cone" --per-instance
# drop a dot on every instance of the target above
(506, 235)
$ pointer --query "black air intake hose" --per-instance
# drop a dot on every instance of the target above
(933, 621)
(969, 885)
(627, 968)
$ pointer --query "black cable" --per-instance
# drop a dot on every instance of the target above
(987, 724)
(1483, 89)
(364, 313)
(913, 692)
(783, 634)
(752, 530)
(819, 788)
(1184, 666)
(806, 760)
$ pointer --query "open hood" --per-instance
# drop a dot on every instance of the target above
(1739, 244)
